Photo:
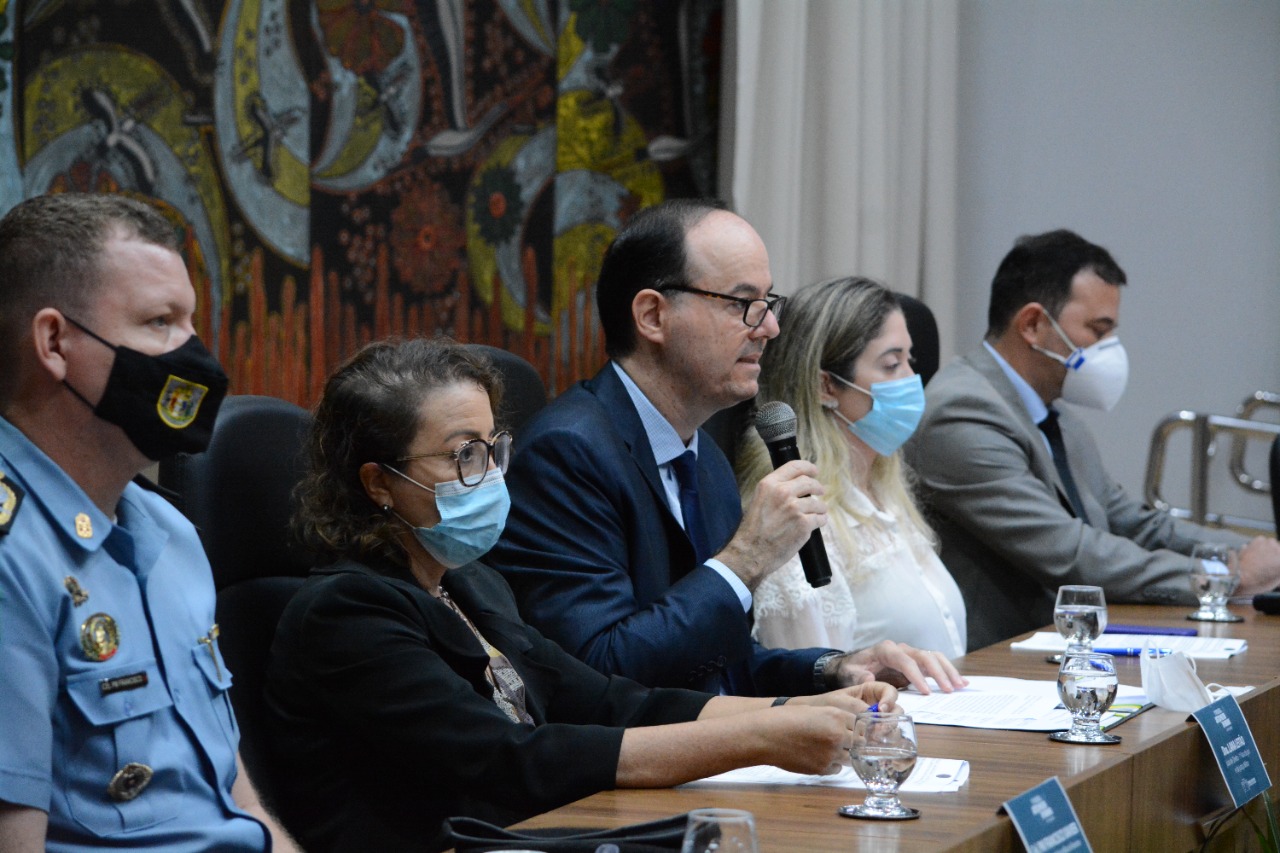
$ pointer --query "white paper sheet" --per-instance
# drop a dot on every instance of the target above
(1205, 648)
(930, 776)
(993, 702)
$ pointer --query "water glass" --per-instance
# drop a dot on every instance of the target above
(1214, 577)
(883, 755)
(720, 831)
(1080, 615)
(1087, 685)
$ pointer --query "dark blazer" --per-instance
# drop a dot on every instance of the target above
(1009, 536)
(601, 565)
(383, 716)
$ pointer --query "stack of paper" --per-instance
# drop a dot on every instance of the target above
(1206, 648)
(992, 702)
(930, 776)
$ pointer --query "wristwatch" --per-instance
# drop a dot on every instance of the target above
(820, 671)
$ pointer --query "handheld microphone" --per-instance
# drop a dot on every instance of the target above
(776, 423)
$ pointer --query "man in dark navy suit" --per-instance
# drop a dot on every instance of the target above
(626, 542)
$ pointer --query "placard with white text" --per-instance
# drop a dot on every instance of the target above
(1234, 749)
(1046, 821)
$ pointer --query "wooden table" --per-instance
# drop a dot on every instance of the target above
(1154, 791)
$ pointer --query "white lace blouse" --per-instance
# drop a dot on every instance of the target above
(895, 589)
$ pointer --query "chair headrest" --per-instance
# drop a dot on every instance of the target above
(523, 391)
(238, 493)
(923, 328)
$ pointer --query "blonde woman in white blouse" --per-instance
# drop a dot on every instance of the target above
(843, 362)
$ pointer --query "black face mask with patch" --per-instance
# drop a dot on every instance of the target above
(166, 404)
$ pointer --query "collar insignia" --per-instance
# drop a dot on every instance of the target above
(78, 595)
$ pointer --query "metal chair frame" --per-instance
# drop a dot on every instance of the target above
(1206, 429)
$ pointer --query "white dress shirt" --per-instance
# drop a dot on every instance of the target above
(893, 588)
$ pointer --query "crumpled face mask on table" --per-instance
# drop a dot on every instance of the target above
(1170, 681)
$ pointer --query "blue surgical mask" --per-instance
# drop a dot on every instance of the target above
(896, 408)
(471, 518)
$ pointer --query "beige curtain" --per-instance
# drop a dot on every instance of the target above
(839, 140)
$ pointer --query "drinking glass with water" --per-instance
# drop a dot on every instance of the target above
(1087, 685)
(1214, 577)
(720, 831)
(1080, 615)
(883, 755)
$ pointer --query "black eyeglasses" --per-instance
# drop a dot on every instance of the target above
(753, 310)
(472, 457)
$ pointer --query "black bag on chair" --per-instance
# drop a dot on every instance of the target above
(469, 835)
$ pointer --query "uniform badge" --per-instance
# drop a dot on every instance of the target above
(129, 782)
(99, 637)
(78, 595)
(84, 526)
(179, 402)
(10, 499)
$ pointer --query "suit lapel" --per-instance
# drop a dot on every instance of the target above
(1041, 460)
(447, 633)
(613, 396)
(502, 632)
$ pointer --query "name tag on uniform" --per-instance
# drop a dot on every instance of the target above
(122, 683)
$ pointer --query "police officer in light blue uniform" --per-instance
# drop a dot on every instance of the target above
(118, 729)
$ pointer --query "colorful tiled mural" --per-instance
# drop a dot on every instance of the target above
(348, 169)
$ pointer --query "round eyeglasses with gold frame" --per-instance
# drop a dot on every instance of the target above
(472, 457)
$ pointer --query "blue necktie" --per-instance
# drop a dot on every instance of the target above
(686, 467)
(1053, 432)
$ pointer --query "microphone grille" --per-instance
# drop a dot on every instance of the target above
(775, 420)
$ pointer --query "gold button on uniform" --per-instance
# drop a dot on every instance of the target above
(84, 526)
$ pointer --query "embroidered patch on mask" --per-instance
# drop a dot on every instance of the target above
(179, 402)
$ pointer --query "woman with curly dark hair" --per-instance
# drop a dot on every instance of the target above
(403, 682)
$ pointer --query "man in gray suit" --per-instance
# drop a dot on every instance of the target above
(1017, 489)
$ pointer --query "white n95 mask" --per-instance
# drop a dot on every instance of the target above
(1096, 375)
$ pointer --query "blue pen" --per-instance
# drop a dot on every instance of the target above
(875, 707)
(1131, 652)
(1151, 629)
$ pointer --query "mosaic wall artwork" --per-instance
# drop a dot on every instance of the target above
(345, 170)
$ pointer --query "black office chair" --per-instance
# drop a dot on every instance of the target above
(238, 494)
(523, 391)
(923, 328)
